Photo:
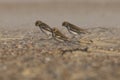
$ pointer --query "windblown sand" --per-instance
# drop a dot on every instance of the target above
(29, 57)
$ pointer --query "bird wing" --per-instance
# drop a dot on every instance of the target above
(61, 36)
(46, 27)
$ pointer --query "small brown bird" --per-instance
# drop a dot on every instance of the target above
(57, 35)
(73, 29)
(46, 29)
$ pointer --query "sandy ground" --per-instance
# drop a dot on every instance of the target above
(29, 57)
(24, 55)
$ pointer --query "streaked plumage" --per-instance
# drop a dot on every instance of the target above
(46, 29)
(58, 35)
(73, 29)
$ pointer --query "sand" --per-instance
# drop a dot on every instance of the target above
(30, 57)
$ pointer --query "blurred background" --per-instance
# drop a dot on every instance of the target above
(84, 13)
(29, 1)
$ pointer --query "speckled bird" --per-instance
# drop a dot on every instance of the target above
(46, 29)
(73, 29)
(57, 35)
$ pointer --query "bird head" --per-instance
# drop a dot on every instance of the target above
(65, 24)
(54, 29)
(38, 22)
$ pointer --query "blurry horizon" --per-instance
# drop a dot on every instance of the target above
(22, 13)
(58, 1)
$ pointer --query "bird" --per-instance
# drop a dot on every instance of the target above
(46, 29)
(73, 29)
(59, 36)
